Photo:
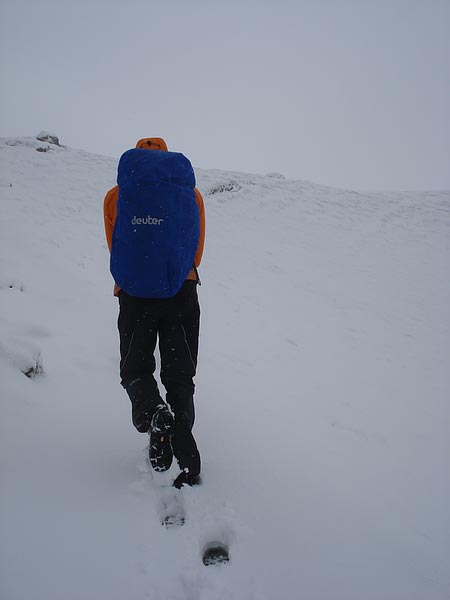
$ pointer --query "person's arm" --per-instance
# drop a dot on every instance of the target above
(201, 242)
(110, 213)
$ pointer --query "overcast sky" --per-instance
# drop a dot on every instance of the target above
(354, 94)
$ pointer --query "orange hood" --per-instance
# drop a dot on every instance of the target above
(152, 144)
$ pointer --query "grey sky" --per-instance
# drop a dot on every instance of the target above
(347, 93)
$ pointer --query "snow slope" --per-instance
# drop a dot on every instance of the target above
(322, 395)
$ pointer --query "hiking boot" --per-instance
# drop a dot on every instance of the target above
(160, 432)
(185, 478)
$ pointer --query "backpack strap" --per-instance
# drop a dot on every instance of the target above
(198, 280)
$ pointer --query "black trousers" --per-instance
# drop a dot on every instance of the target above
(174, 324)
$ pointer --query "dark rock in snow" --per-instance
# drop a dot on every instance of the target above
(46, 136)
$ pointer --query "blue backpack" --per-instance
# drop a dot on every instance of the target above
(157, 227)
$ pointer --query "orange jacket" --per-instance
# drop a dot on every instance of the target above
(110, 209)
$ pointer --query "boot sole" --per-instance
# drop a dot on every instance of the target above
(160, 452)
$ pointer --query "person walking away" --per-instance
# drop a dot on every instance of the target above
(155, 231)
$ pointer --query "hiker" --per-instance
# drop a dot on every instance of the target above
(152, 309)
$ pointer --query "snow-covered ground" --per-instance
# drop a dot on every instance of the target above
(322, 395)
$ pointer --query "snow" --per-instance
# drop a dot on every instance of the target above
(322, 395)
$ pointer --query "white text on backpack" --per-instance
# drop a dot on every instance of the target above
(146, 221)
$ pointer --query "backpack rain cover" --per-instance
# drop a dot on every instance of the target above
(157, 227)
